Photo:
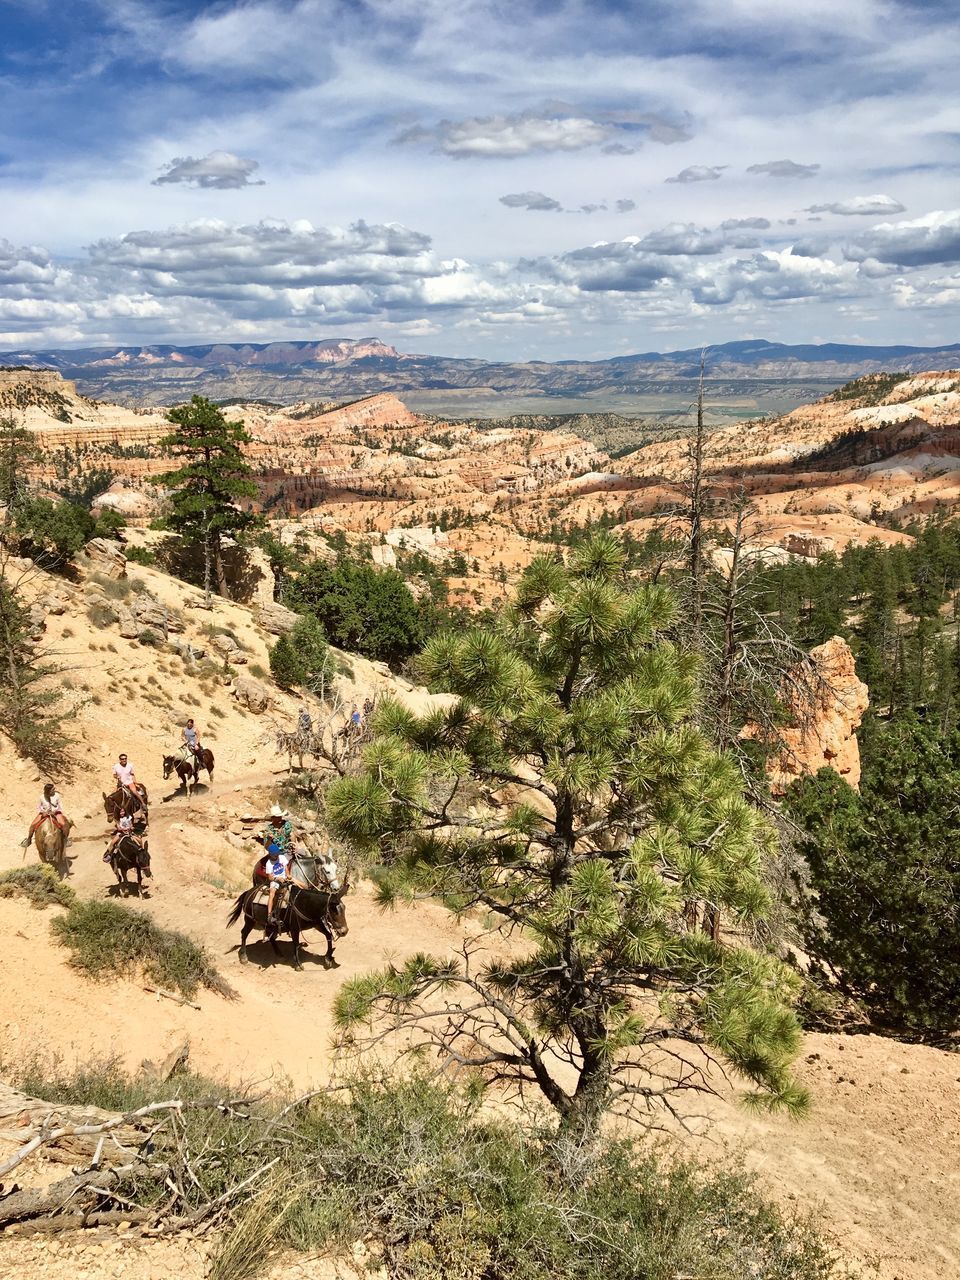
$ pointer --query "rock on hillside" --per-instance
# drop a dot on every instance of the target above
(826, 700)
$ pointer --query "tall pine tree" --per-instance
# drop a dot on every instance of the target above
(620, 834)
(207, 488)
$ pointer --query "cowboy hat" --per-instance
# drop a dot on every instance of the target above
(277, 812)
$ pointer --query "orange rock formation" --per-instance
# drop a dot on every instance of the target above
(828, 700)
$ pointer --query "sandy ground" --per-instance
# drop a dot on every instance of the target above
(877, 1159)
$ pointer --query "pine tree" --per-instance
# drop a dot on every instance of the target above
(622, 832)
(882, 908)
(18, 448)
(206, 489)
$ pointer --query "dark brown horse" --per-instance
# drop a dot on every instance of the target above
(310, 905)
(123, 803)
(188, 770)
(130, 854)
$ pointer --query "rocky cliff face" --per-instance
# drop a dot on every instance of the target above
(827, 700)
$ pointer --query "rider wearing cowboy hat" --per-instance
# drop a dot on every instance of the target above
(279, 829)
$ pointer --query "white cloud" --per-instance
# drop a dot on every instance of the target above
(533, 200)
(926, 241)
(699, 173)
(784, 169)
(859, 205)
(220, 170)
(509, 136)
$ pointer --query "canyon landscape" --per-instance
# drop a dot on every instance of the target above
(479, 641)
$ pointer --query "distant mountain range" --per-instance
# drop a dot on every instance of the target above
(340, 367)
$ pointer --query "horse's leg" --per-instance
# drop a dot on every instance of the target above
(328, 960)
(245, 933)
(295, 938)
(139, 880)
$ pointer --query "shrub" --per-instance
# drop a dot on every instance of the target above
(881, 914)
(152, 639)
(109, 523)
(115, 588)
(110, 940)
(101, 614)
(41, 886)
(302, 657)
(141, 555)
(437, 1190)
(366, 610)
(56, 530)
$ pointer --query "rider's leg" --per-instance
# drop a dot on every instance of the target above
(25, 843)
(270, 899)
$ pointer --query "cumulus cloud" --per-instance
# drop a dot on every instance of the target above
(784, 169)
(554, 127)
(862, 205)
(506, 136)
(699, 173)
(746, 224)
(625, 206)
(926, 241)
(534, 200)
(220, 170)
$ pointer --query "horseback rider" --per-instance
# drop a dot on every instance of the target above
(278, 831)
(49, 807)
(124, 773)
(304, 723)
(191, 740)
(276, 868)
(124, 827)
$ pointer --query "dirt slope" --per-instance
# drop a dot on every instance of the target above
(877, 1159)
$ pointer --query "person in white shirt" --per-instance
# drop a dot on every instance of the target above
(50, 806)
(124, 773)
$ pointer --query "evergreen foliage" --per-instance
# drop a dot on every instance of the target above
(208, 487)
(363, 609)
(18, 449)
(622, 834)
(302, 657)
(882, 909)
(54, 531)
(897, 606)
(29, 696)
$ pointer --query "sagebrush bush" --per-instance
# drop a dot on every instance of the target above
(110, 940)
(438, 1190)
(101, 614)
(41, 886)
(115, 588)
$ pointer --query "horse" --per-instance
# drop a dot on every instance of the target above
(297, 744)
(310, 905)
(188, 768)
(129, 854)
(51, 841)
(124, 802)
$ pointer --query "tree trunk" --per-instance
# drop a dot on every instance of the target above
(696, 513)
(581, 1118)
(208, 566)
(222, 588)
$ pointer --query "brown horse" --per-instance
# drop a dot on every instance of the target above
(51, 842)
(188, 770)
(123, 802)
(310, 905)
(130, 854)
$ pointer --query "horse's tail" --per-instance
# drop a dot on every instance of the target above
(237, 911)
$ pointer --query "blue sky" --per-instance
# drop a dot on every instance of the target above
(500, 178)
